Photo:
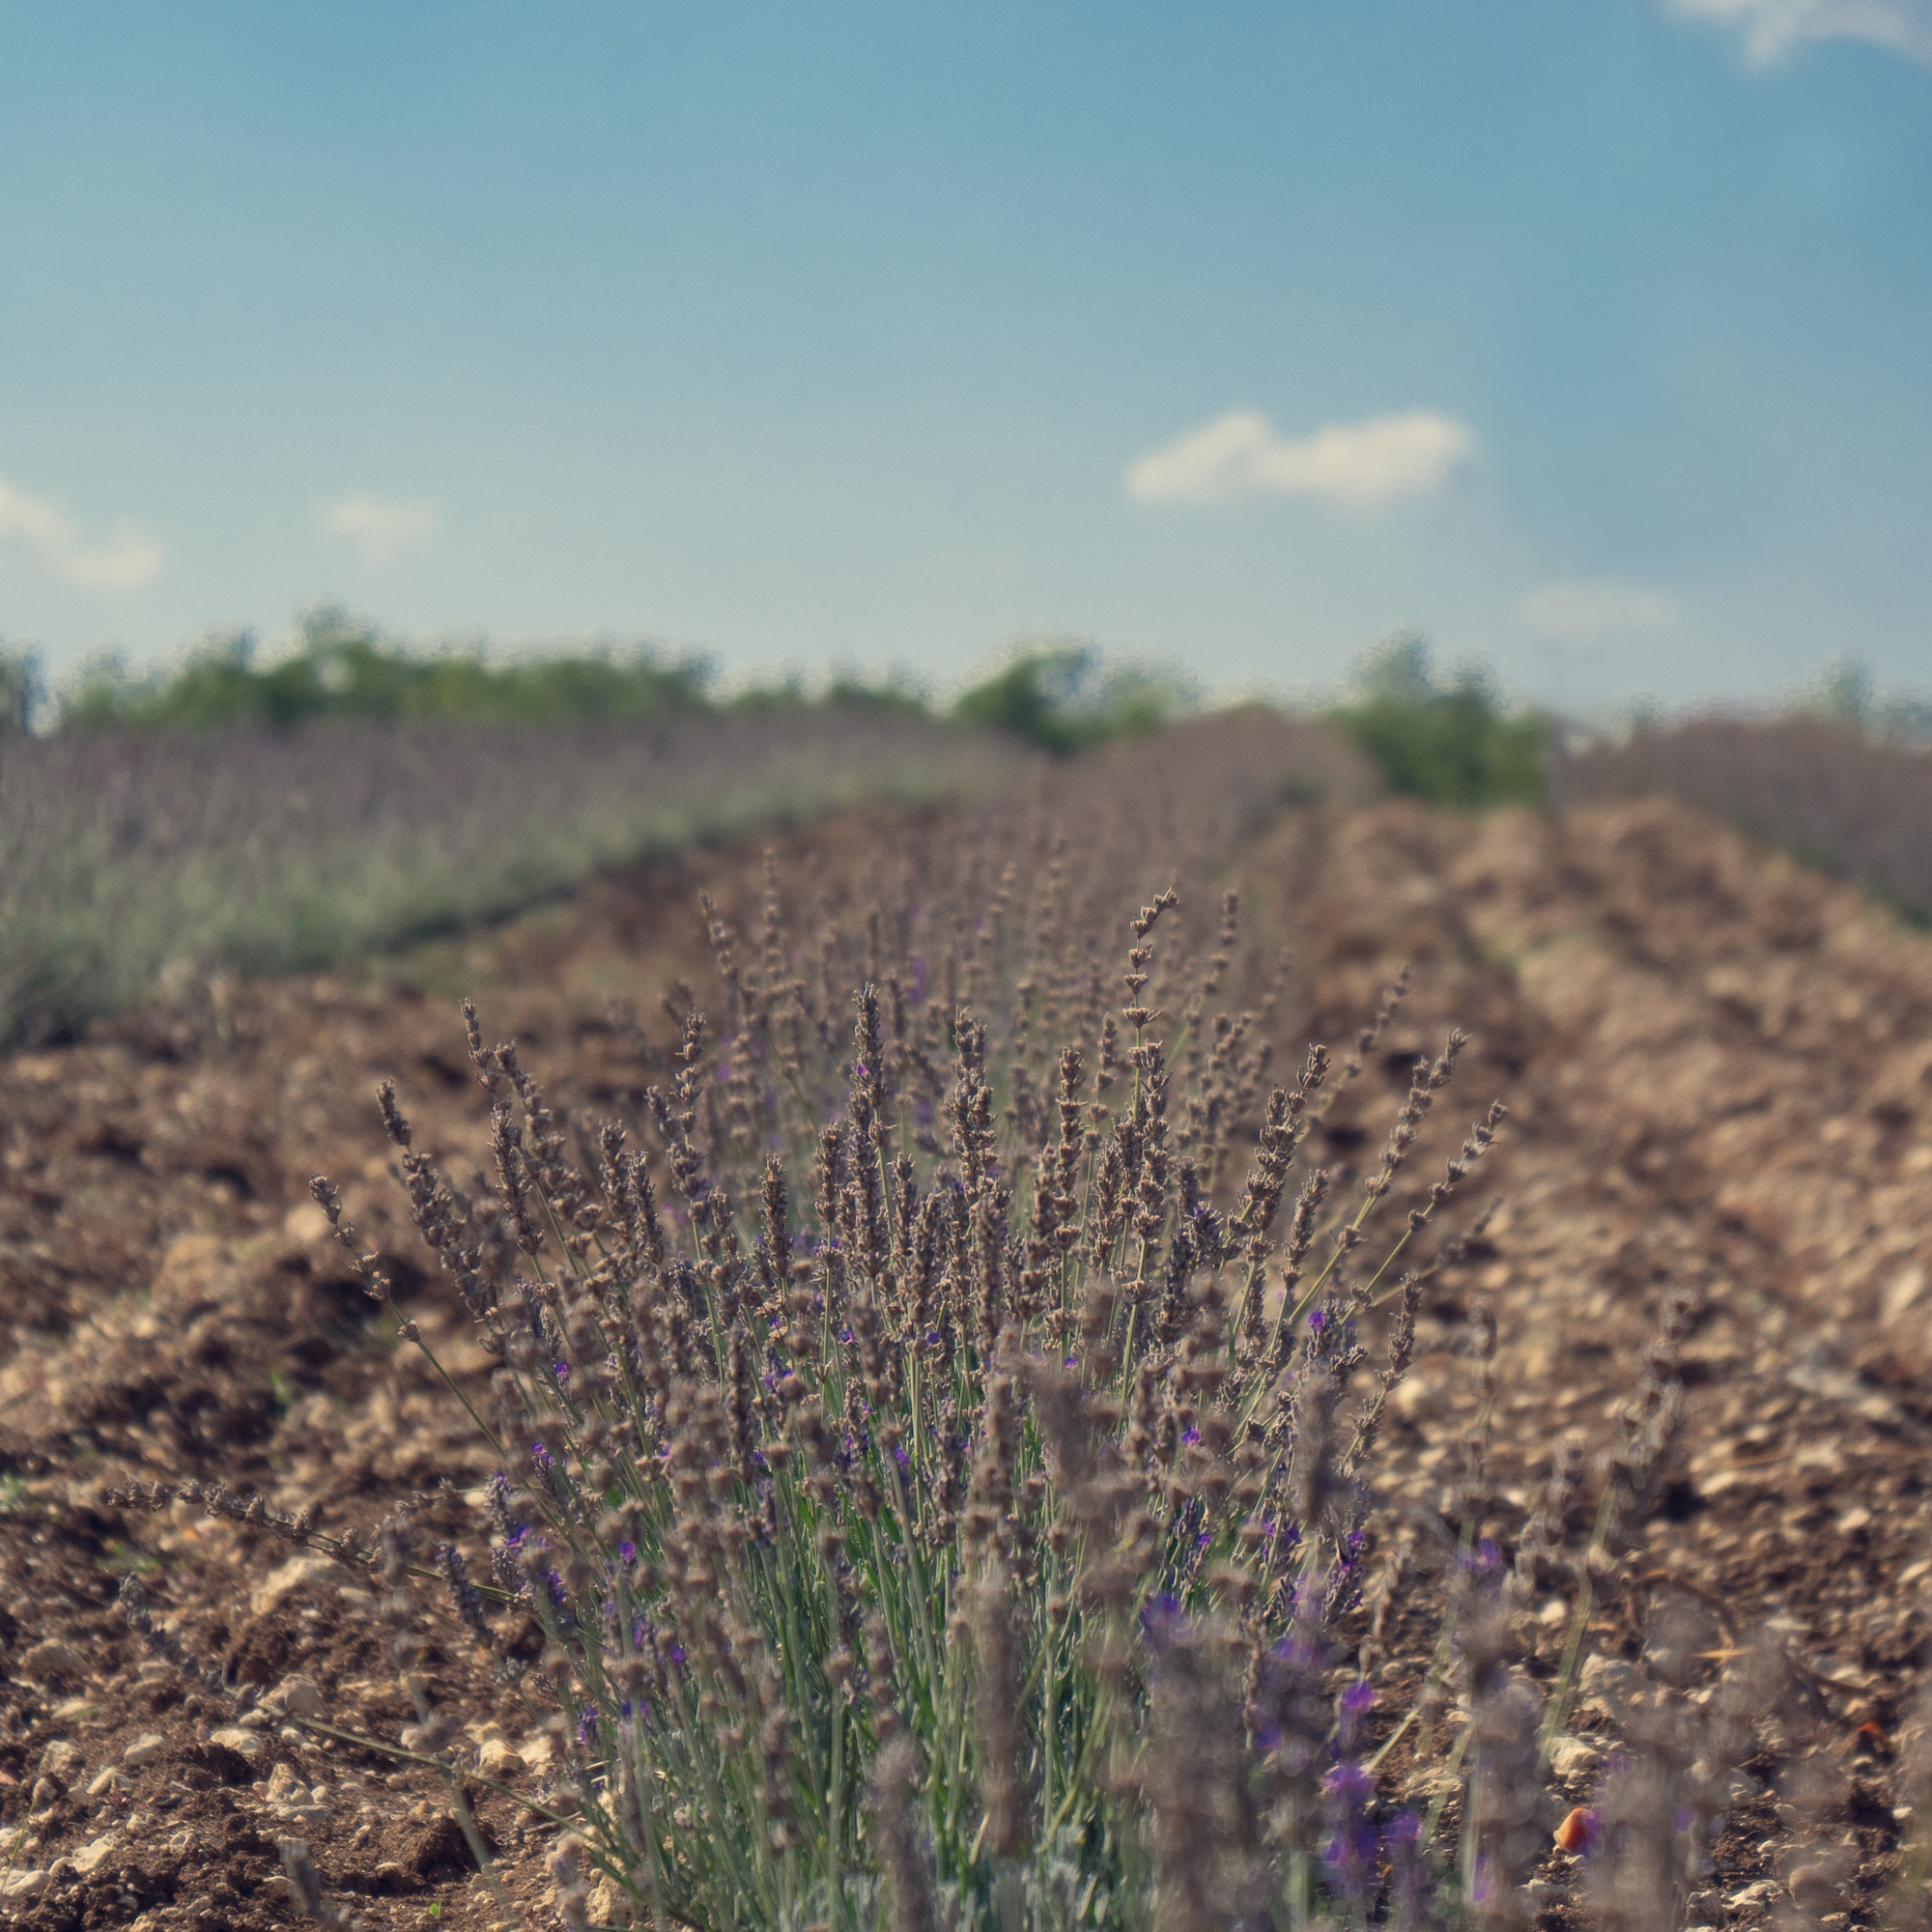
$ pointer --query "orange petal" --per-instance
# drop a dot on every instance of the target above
(1573, 1833)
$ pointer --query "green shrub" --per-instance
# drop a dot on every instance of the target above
(1063, 698)
(1452, 744)
(345, 668)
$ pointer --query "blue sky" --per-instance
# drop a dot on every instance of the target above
(1589, 336)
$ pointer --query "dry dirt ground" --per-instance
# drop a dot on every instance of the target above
(1721, 1076)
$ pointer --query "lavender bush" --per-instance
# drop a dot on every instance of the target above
(938, 1458)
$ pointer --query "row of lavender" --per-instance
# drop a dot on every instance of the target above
(1857, 806)
(124, 853)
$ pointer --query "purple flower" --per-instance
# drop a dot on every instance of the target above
(1403, 1841)
(1318, 1319)
(1161, 1621)
(1190, 1435)
(541, 1456)
(560, 1370)
(627, 1553)
(1356, 1701)
(1351, 1851)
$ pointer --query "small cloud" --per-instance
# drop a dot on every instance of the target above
(379, 529)
(1361, 466)
(128, 559)
(1771, 28)
(1586, 614)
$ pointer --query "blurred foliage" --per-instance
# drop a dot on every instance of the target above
(1064, 698)
(1061, 696)
(1847, 693)
(1453, 742)
(343, 667)
(23, 689)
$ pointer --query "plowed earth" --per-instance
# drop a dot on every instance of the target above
(1719, 1071)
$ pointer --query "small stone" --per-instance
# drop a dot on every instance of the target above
(50, 1661)
(295, 1696)
(311, 1573)
(609, 1903)
(107, 1782)
(23, 1884)
(245, 1743)
(1604, 1686)
(1753, 1897)
(1813, 1891)
(61, 1760)
(305, 1223)
(281, 1783)
(46, 1793)
(1574, 1757)
(93, 1856)
(145, 1750)
(497, 1760)
(74, 1710)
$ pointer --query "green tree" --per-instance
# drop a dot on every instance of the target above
(1452, 744)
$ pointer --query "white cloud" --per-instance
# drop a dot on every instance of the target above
(125, 559)
(382, 531)
(1361, 464)
(1771, 28)
(1583, 614)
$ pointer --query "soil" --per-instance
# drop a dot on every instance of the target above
(1720, 1072)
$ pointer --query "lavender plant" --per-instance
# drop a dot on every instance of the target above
(937, 1464)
